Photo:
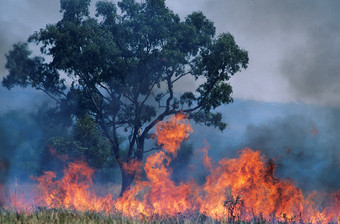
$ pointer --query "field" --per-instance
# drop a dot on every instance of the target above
(74, 217)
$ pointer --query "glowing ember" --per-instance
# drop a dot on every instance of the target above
(243, 188)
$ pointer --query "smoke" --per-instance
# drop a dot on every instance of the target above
(293, 47)
(312, 68)
(294, 53)
(302, 140)
(19, 19)
(24, 130)
(307, 156)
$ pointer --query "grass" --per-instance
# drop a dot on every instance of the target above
(58, 216)
(74, 217)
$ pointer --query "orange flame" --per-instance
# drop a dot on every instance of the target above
(249, 178)
(132, 166)
(159, 195)
(73, 191)
(243, 188)
(172, 133)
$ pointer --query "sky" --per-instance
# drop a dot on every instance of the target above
(293, 45)
(291, 86)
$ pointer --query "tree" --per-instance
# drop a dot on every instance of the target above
(86, 142)
(20, 147)
(123, 69)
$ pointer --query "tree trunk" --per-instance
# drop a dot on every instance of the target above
(128, 177)
(4, 170)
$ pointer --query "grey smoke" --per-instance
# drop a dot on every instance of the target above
(302, 140)
(309, 157)
(294, 53)
(19, 19)
(292, 45)
(313, 68)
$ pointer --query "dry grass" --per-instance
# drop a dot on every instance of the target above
(74, 217)
(58, 216)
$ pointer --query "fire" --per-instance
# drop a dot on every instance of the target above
(243, 188)
(249, 178)
(132, 166)
(159, 195)
(172, 133)
(73, 190)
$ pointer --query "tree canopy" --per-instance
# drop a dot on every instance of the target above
(124, 67)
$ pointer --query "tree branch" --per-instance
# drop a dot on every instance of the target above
(180, 76)
(149, 92)
(165, 112)
(152, 149)
(50, 95)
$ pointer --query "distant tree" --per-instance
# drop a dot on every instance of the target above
(22, 136)
(123, 69)
(85, 142)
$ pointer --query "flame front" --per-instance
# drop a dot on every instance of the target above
(159, 195)
(73, 191)
(243, 188)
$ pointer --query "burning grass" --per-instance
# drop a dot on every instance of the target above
(236, 190)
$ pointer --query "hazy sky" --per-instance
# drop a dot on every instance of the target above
(293, 45)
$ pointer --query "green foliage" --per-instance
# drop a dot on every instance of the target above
(86, 142)
(124, 68)
(127, 55)
(24, 71)
(74, 9)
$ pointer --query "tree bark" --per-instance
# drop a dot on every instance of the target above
(128, 177)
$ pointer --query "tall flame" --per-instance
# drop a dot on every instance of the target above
(242, 188)
(159, 195)
(73, 191)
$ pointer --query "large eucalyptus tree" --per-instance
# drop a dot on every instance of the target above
(125, 66)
